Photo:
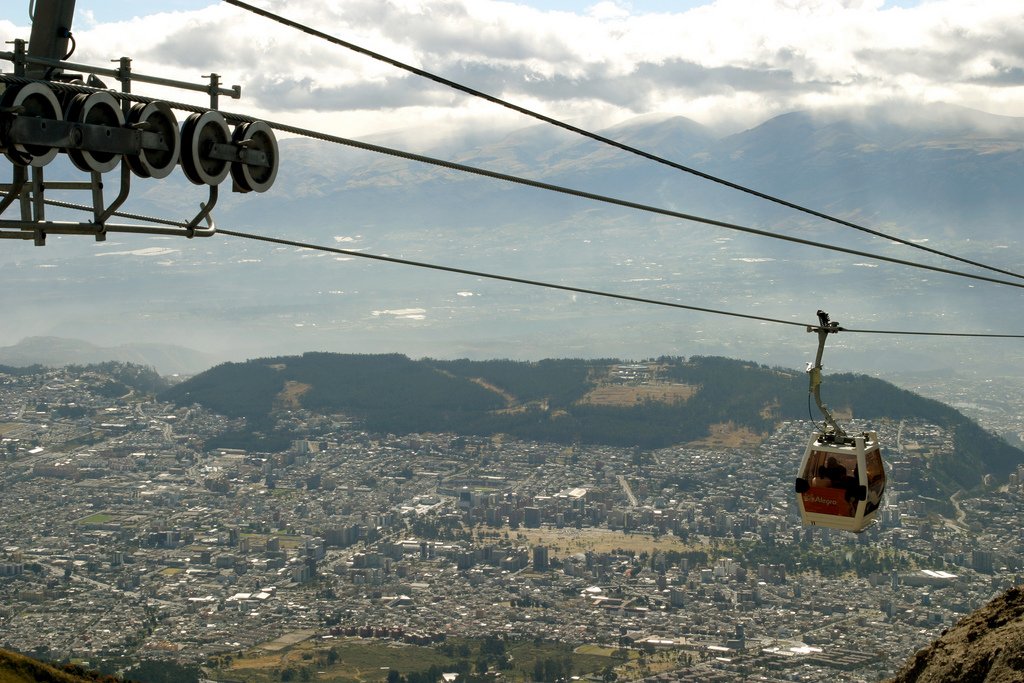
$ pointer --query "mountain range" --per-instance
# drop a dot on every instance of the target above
(944, 176)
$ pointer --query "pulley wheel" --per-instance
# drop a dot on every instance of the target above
(98, 109)
(198, 134)
(155, 117)
(35, 100)
(255, 137)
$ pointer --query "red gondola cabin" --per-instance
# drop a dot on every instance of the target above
(841, 481)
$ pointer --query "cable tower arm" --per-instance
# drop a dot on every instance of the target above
(51, 33)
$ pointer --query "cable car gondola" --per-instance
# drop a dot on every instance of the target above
(841, 478)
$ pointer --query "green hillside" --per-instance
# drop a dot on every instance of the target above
(18, 668)
(15, 668)
(654, 404)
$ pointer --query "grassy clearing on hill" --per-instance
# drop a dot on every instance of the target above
(727, 435)
(356, 660)
(290, 398)
(628, 395)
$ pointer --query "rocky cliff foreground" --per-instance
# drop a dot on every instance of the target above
(987, 645)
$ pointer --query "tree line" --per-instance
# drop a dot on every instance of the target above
(391, 393)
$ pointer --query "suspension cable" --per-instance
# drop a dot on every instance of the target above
(581, 290)
(523, 281)
(455, 166)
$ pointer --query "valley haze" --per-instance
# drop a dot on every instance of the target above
(912, 128)
(942, 175)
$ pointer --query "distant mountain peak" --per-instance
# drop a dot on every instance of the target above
(166, 359)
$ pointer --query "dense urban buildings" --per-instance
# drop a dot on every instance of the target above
(124, 533)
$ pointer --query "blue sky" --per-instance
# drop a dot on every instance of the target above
(648, 6)
(114, 10)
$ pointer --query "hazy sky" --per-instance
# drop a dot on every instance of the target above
(728, 63)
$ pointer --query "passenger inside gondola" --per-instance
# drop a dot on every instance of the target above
(835, 489)
(835, 472)
(821, 481)
(876, 480)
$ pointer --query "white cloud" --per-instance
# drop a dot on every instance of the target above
(728, 63)
(147, 251)
(402, 314)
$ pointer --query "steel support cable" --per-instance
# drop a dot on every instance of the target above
(605, 140)
(524, 281)
(455, 166)
(933, 334)
(60, 86)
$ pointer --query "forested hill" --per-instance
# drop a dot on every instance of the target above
(652, 404)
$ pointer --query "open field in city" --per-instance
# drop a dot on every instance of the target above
(359, 660)
(567, 541)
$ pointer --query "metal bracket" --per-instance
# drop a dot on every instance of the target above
(27, 130)
(825, 328)
(239, 152)
(14, 189)
(101, 215)
(204, 214)
(34, 226)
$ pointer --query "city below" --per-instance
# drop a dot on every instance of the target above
(126, 538)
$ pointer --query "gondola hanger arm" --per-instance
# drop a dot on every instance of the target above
(825, 328)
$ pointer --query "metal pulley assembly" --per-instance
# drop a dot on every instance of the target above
(97, 128)
(201, 137)
(101, 115)
(154, 118)
(257, 168)
(92, 131)
(36, 110)
(209, 151)
(95, 133)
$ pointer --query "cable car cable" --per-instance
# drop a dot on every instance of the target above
(455, 166)
(581, 290)
(603, 139)
(525, 281)
(442, 268)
